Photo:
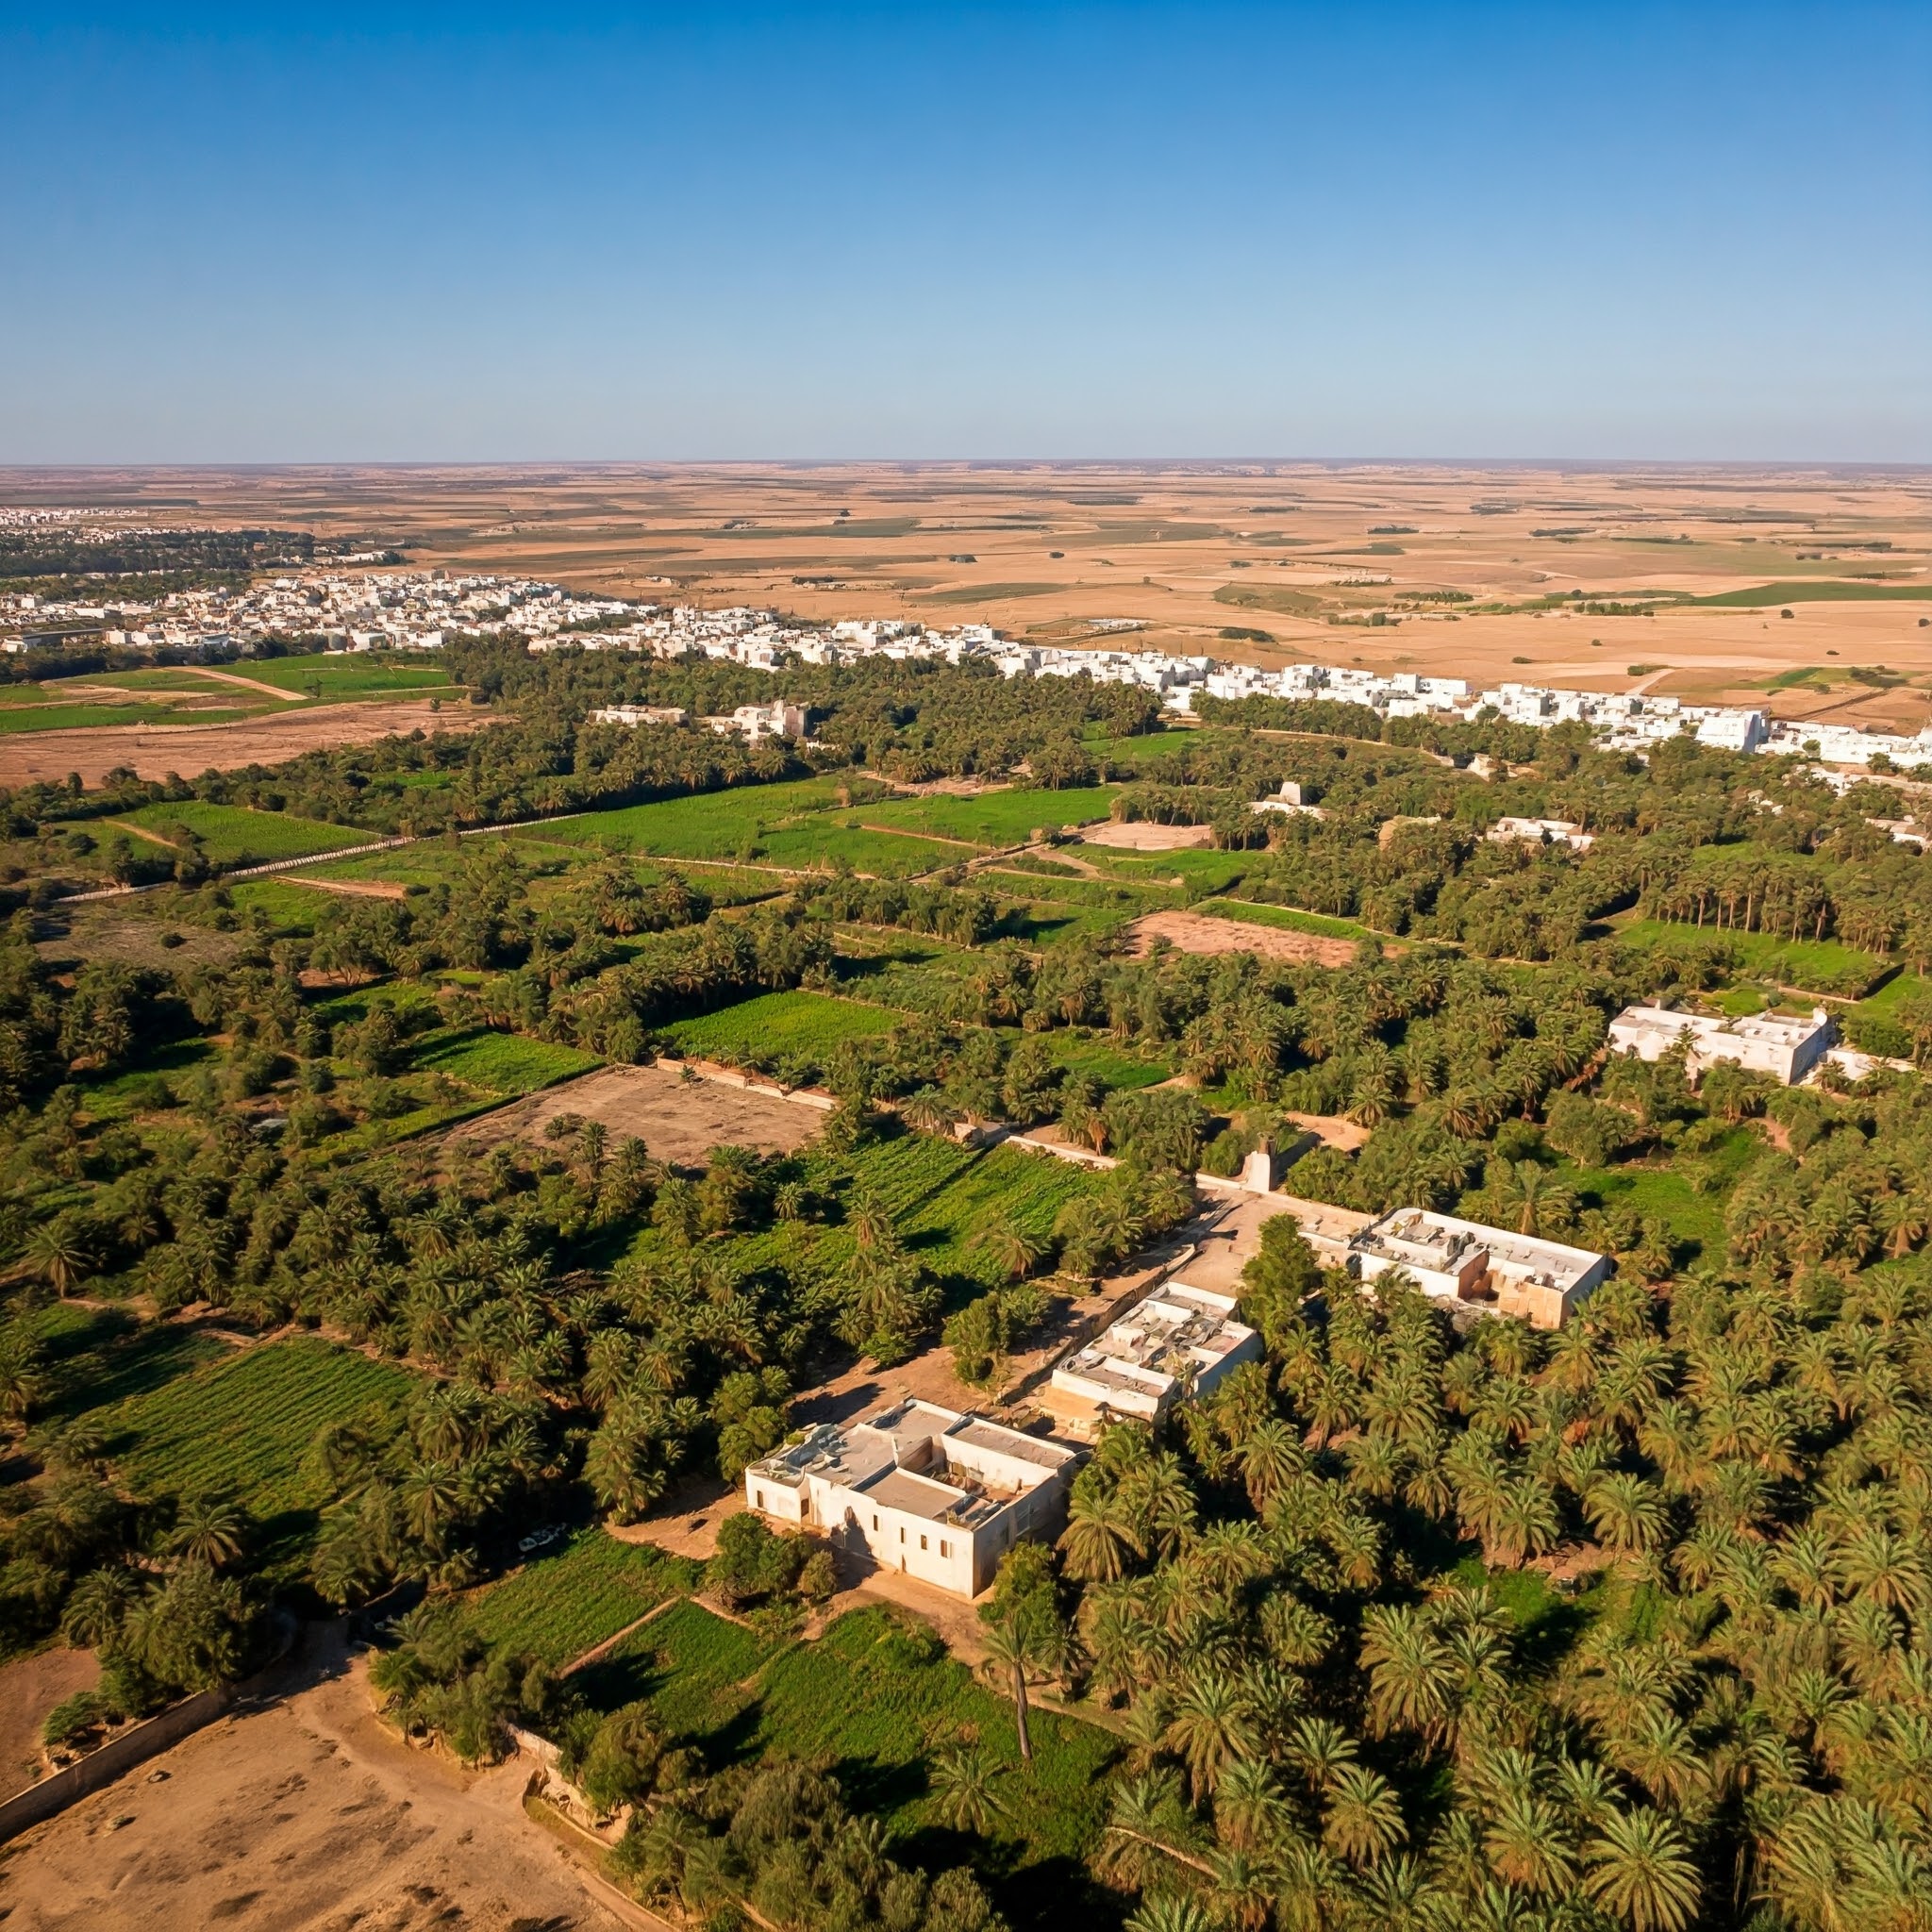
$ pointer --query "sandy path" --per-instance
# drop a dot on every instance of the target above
(355, 889)
(1197, 932)
(288, 697)
(304, 1816)
(153, 751)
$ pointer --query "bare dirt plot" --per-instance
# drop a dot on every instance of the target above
(679, 1121)
(153, 751)
(305, 1814)
(30, 1687)
(1194, 932)
(1138, 835)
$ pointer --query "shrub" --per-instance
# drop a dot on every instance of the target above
(752, 1563)
(1587, 1131)
(72, 1717)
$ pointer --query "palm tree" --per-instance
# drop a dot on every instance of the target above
(1211, 1726)
(210, 1529)
(1641, 1870)
(1098, 1538)
(1525, 1843)
(60, 1254)
(1013, 1249)
(1626, 1513)
(1362, 1818)
(1411, 1674)
(963, 1777)
(1015, 1650)
(928, 1110)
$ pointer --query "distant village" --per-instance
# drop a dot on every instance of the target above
(347, 609)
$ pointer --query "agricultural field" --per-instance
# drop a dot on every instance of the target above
(801, 1027)
(1818, 966)
(502, 1065)
(1282, 918)
(242, 1426)
(567, 1600)
(233, 836)
(713, 824)
(1009, 816)
(330, 678)
(872, 1697)
(99, 1357)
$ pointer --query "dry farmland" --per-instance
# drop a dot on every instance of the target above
(1425, 567)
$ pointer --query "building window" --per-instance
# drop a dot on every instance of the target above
(875, 1522)
(945, 1548)
(902, 1535)
(757, 1496)
(922, 1543)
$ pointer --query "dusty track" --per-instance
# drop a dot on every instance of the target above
(305, 1816)
(153, 751)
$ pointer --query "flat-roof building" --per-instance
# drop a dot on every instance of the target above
(1785, 1048)
(1179, 1340)
(931, 1492)
(1541, 1282)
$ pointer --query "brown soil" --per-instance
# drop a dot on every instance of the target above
(1138, 835)
(1302, 555)
(30, 1687)
(307, 1815)
(680, 1121)
(153, 751)
(1196, 932)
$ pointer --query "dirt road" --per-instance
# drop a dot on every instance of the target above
(152, 751)
(305, 1816)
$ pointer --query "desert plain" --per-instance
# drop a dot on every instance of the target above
(1806, 589)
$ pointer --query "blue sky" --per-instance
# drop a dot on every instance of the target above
(803, 231)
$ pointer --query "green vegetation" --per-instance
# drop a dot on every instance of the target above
(243, 1426)
(1764, 596)
(229, 836)
(331, 679)
(779, 1026)
(577, 1595)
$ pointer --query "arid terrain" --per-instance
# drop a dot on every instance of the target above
(153, 751)
(1295, 558)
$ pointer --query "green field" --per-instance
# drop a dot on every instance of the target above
(243, 1426)
(708, 825)
(231, 835)
(1009, 816)
(348, 675)
(1822, 966)
(871, 1701)
(502, 1063)
(778, 1025)
(1763, 596)
(86, 716)
(939, 1195)
(97, 1357)
(558, 1606)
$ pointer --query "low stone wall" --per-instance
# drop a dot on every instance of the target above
(118, 1755)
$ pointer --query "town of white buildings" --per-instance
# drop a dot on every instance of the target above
(403, 609)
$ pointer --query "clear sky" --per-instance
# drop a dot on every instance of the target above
(717, 231)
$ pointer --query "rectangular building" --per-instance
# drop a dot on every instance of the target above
(1785, 1048)
(1180, 1339)
(927, 1492)
(1541, 1281)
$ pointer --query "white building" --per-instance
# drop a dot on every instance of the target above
(932, 1493)
(1179, 1340)
(1541, 1281)
(635, 715)
(758, 722)
(1542, 832)
(1785, 1048)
